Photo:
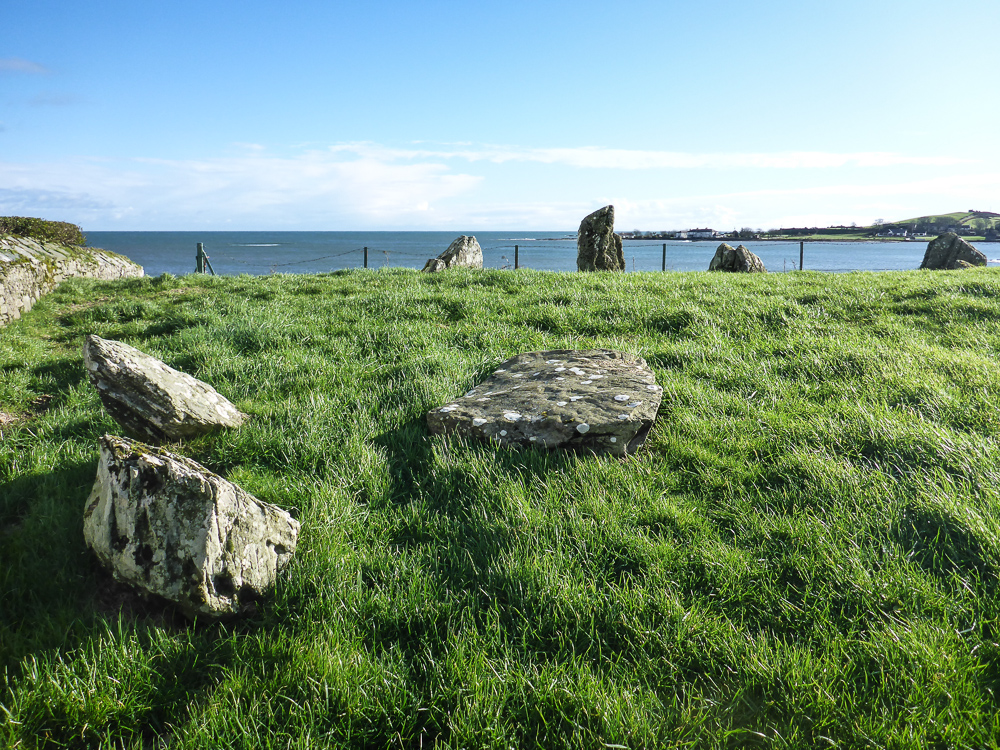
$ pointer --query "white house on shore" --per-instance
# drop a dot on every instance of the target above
(701, 234)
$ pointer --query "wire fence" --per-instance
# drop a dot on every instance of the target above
(554, 255)
(509, 257)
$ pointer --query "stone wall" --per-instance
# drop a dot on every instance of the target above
(29, 269)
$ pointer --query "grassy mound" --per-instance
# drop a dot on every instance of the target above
(42, 230)
(804, 554)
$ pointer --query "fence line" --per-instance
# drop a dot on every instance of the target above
(203, 265)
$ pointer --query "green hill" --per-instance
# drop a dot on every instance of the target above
(965, 218)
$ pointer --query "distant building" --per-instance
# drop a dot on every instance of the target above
(701, 234)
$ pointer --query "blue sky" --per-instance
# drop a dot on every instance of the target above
(520, 115)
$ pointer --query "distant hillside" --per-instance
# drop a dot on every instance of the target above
(971, 218)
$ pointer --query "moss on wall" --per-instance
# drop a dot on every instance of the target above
(42, 230)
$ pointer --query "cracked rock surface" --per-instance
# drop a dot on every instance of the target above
(463, 252)
(949, 251)
(598, 248)
(736, 260)
(170, 527)
(590, 400)
(150, 399)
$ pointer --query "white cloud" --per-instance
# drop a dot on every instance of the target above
(20, 65)
(592, 157)
(256, 191)
(369, 186)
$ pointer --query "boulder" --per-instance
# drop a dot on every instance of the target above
(598, 248)
(150, 399)
(737, 260)
(170, 527)
(596, 400)
(949, 251)
(464, 252)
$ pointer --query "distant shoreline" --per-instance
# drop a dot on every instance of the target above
(855, 240)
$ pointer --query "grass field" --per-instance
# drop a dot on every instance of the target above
(804, 554)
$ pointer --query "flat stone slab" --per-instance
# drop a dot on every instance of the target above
(595, 400)
(150, 399)
(169, 526)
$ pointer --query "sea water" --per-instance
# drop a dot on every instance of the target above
(257, 253)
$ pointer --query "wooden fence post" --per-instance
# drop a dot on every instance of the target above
(664, 256)
(802, 245)
(199, 259)
(516, 261)
(366, 256)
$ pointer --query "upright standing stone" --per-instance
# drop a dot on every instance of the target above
(736, 260)
(598, 248)
(151, 399)
(949, 251)
(167, 525)
(463, 252)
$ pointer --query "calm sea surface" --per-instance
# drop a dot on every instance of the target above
(258, 253)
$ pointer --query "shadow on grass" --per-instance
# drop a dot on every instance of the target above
(64, 620)
(150, 685)
(943, 546)
(63, 374)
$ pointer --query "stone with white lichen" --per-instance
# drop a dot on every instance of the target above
(463, 252)
(594, 400)
(150, 399)
(172, 528)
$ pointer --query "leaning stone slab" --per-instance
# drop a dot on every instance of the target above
(170, 527)
(949, 251)
(598, 248)
(463, 252)
(150, 399)
(736, 260)
(590, 400)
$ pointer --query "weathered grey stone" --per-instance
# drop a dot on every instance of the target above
(30, 269)
(598, 248)
(464, 252)
(150, 399)
(591, 400)
(948, 250)
(737, 260)
(170, 527)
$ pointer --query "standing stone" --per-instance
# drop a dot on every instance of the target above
(949, 251)
(736, 260)
(596, 400)
(153, 400)
(598, 248)
(170, 527)
(464, 252)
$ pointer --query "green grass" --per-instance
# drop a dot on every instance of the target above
(804, 554)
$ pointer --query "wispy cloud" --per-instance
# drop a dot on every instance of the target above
(314, 190)
(367, 186)
(34, 200)
(20, 65)
(593, 157)
(55, 100)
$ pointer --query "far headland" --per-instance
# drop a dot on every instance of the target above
(972, 225)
